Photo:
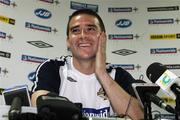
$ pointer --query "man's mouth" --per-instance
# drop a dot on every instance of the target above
(84, 45)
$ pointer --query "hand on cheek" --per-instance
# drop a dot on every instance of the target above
(101, 54)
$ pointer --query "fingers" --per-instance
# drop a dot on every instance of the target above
(102, 41)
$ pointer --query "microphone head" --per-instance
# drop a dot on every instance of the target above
(53, 106)
(155, 70)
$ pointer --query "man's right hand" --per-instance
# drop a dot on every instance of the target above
(36, 94)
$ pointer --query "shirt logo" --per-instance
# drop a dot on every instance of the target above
(91, 112)
(101, 93)
(71, 79)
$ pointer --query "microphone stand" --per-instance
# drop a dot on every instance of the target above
(176, 89)
(147, 109)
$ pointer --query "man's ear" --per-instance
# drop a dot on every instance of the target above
(68, 44)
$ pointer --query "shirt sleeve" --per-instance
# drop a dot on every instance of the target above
(47, 77)
(125, 80)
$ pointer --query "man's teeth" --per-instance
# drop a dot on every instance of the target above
(84, 45)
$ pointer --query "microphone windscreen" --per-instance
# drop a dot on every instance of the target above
(58, 106)
(155, 70)
(131, 90)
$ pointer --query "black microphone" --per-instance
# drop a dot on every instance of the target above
(15, 109)
(16, 97)
(55, 107)
(159, 102)
(147, 92)
(168, 81)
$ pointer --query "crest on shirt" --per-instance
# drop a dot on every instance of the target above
(71, 79)
(101, 93)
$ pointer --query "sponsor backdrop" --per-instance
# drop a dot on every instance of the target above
(139, 32)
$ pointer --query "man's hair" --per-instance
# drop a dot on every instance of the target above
(88, 12)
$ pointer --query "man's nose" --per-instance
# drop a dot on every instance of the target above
(83, 33)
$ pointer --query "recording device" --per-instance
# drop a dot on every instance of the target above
(16, 97)
(147, 92)
(56, 107)
(167, 80)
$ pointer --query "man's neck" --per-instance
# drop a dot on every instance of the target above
(84, 66)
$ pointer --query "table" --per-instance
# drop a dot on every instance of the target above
(5, 108)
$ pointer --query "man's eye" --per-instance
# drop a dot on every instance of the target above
(91, 29)
(75, 30)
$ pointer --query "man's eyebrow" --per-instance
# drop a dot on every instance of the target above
(89, 25)
(73, 27)
(92, 25)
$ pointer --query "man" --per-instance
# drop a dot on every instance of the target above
(85, 77)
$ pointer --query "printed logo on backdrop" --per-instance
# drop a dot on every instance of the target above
(39, 44)
(3, 71)
(4, 36)
(124, 52)
(121, 9)
(165, 36)
(123, 23)
(32, 76)
(5, 54)
(167, 8)
(125, 66)
(8, 3)
(172, 66)
(39, 27)
(33, 59)
(163, 50)
(120, 36)
(78, 5)
(161, 21)
(138, 66)
(177, 20)
(5, 2)
(48, 1)
(7, 20)
(42, 13)
(51, 1)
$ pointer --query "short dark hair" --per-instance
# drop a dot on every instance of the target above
(88, 12)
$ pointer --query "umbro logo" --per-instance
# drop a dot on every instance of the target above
(124, 52)
(71, 79)
(39, 44)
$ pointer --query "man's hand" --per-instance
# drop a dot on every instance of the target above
(100, 67)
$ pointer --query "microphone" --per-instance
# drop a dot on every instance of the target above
(16, 97)
(54, 107)
(167, 80)
(147, 92)
(15, 109)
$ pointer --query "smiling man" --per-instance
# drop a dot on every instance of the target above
(85, 77)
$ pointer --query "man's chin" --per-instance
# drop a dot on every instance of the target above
(87, 57)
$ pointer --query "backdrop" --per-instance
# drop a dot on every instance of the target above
(139, 32)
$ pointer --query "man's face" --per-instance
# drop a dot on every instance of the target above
(84, 32)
